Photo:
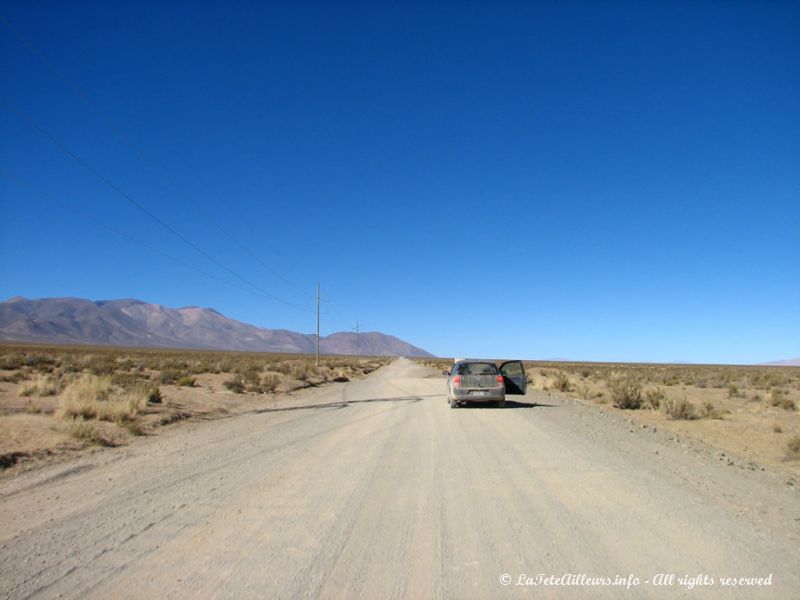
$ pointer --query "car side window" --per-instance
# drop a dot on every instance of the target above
(513, 369)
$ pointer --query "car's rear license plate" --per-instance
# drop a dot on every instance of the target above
(481, 393)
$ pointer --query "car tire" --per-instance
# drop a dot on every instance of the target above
(453, 403)
(501, 404)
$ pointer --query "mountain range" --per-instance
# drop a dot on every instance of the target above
(139, 324)
(791, 362)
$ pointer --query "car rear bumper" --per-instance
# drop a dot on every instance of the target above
(479, 395)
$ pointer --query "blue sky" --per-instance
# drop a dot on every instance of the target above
(592, 181)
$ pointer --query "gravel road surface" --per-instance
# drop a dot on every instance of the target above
(377, 489)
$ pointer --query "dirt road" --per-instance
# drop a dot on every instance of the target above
(377, 489)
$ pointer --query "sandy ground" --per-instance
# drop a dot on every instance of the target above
(377, 489)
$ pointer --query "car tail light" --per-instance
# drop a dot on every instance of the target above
(500, 381)
(457, 381)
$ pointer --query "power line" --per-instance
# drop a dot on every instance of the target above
(334, 316)
(119, 232)
(137, 150)
(47, 135)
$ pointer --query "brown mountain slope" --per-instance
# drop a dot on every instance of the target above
(136, 323)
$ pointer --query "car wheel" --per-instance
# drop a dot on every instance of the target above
(501, 404)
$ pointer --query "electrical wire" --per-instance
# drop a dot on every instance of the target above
(119, 232)
(136, 204)
(144, 156)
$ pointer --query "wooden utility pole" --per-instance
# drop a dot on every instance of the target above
(318, 323)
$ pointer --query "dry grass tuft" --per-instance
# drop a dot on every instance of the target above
(561, 382)
(270, 382)
(654, 398)
(93, 397)
(235, 384)
(710, 412)
(680, 409)
(87, 432)
(793, 447)
(43, 385)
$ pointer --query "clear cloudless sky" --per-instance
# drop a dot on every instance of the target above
(611, 181)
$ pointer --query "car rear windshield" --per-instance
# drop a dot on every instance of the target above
(477, 369)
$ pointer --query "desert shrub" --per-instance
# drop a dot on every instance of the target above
(561, 382)
(186, 381)
(680, 409)
(170, 376)
(235, 384)
(778, 397)
(32, 407)
(775, 397)
(793, 447)
(654, 398)
(252, 375)
(14, 377)
(100, 365)
(154, 394)
(224, 365)
(583, 391)
(626, 392)
(87, 432)
(134, 427)
(40, 362)
(670, 380)
(12, 362)
(733, 391)
(301, 371)
(708, 411)
(270, 382)
(125, 379)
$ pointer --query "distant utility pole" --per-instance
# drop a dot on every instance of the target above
(318, 323)
(358, 346)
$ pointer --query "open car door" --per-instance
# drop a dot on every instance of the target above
(514, 377)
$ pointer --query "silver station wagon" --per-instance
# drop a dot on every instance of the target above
(484, 381)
